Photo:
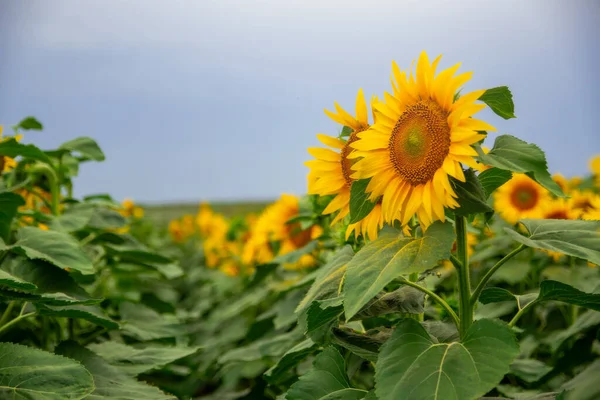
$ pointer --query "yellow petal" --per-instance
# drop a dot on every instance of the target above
(331, 141)
(324, 154)
(362, 113)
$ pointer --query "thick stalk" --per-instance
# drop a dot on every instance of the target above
(54, 184)
(464, 279)
(491, 272)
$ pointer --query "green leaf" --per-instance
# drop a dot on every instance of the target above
(491, 179)
(389, 257)
(320, 317)
(529, 370)
(290, 359)
(15, 282)
(73, 219)
(326, 380)
(52, 286)
(29, 373)
(572, 237)
(558, 291)
(273, 346)
(584, 322)
(365, 345)
(106, 219)
(495, 295)
(90, 313)
(143, 323)
(30, 123)
(346, 131)
(360, 205)
(86, 147)
(471, 195)
(327, 281)
(584, 386)
(499, 99)
(109, 381)
(142, 358)
(513, 154)
(465, 370)
(9, 203)
(406, 299)
(12, 148)
(57, 248)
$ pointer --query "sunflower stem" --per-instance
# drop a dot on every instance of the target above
(464, 279)
(491, 272)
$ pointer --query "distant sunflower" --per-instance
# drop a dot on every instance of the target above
(559, 209)
(593, 213)
(582, 201)
(520, 197)
(330, 172)
(7, 163)
(421, 137)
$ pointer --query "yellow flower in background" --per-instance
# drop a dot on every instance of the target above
(582, 201)
(520, 197)
(562, 182)
(559, 209)
(593, 213)
(419, 140)
(129, 209)
(595, 165)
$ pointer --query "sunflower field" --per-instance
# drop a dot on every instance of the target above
(424, 263)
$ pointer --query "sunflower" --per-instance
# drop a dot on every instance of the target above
(582, 201)
(331, 170)
(593, 213)
(559, 209)
(421, 136)
(129, 209)
(520, 197)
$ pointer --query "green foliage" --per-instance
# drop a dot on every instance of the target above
(499, 99)
(512, 154)
(28, 373)
(392, 256)
(459, 370)
(471, 195)
(360, 205)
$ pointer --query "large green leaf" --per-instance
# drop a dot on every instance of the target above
(492, 178)
(90, 313)
(55, 247)
(412, 366)
(389, 257)
(512, 154)
(471, 195)
(86, 147)
(360, 205)
(327, 281)
(290, 359)
(106, 219)
(12, 148)
(529, 370)
(143, 323)
(109, 381)
(572, 237)
(326, 380)
(74, 218)
(365, 345)
(51, 285)
(27, 373)
(135, 360)
(9, 203)
(499, 99)
(406, 300)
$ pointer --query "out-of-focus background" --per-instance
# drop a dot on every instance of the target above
(218, 100)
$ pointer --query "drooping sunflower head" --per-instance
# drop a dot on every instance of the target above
(421, 136)
(332, 169)
(521, 197)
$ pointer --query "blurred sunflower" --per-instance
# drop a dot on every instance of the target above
(129, 209)
(331, 170)
(582, 201)
(593, 213)
(419, 140)
(559, 209)
(520, 197)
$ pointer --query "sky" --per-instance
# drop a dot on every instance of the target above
(219, 100)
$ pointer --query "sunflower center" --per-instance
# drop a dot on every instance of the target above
(557, 214)
(347, 162)
(524, 197)
(420, 142)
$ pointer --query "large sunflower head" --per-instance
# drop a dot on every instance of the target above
(520, 197)
(422, 135)
(331, 170)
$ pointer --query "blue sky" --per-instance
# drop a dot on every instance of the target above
(219, 100)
